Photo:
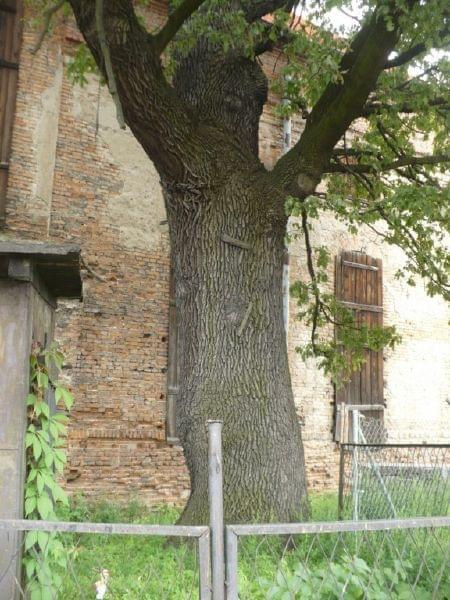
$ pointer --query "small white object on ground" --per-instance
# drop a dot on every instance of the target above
(101, 584)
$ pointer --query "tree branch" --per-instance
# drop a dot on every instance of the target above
(174, 23)
(338, 106)
(406, 56)
(404, 161)
(157, 116)
(374, 107)
(266, 44)
(412, 52)
(312, 275)
(107, 60)
(255, 9)
(48, 15)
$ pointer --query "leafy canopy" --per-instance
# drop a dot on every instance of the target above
(381, 146)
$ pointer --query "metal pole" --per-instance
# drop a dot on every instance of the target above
(355, 430)
(341, 481)
(216, 519)
(204, 563)
(232, 565)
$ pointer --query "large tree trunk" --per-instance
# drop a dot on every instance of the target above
(233, 359)
(202, 135)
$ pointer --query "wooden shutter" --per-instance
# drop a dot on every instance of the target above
(359, 286)
(10, 37)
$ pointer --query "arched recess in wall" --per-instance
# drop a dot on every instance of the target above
(11, 17)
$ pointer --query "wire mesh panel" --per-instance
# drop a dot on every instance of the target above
(380, 560)
(82, 561)
(372, 430)
(379, 481)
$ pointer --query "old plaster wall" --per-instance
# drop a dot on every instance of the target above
(25, 316)
(76, 176)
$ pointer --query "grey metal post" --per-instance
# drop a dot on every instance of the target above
(232, 564)
(355, 429)
(204, 563)
(216, 518)
(341, 481)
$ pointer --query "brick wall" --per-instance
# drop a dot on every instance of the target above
(75, 176)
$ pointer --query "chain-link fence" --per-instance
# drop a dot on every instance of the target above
(379, 481)
(367, 560)
(82, 561)
(397, 559)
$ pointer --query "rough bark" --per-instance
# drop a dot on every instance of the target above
(233, 360)
(233, 363)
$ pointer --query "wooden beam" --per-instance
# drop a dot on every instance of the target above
(7, 64)
(358, 306)
(356, 265)
(234, 242)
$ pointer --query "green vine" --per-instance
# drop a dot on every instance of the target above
(45, 556)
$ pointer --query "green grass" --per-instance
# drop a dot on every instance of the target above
(149, 568)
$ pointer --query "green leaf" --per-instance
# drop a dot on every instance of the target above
(61, 418)
(31, 399)
(36, 594)
(48, 459)
(58, 393)
(30, 505)
(67, 398)
(45, 410)
(39, 484)
(60, 455)
(29, 439)
(37, 448)
(30, 566)
(30, 539)
(31, 475)
(43, 540)
(60, 495)
(42, 380)
(44, 506)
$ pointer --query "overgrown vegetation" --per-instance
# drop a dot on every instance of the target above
(146, 568)
(45, 556)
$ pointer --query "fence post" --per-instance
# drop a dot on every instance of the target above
(232, 564)
(355, 430)
(341, 481)
(216, 519)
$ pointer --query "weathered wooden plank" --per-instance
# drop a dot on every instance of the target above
(39, 249)
(10, 105)
(355, 384)
(235, 242)
(11, 23)
(6, 64)
(357, 265)
(340, 394)
(366, 316)
(339, 526)
(104, 528)
(379, 358)
(3, 188)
